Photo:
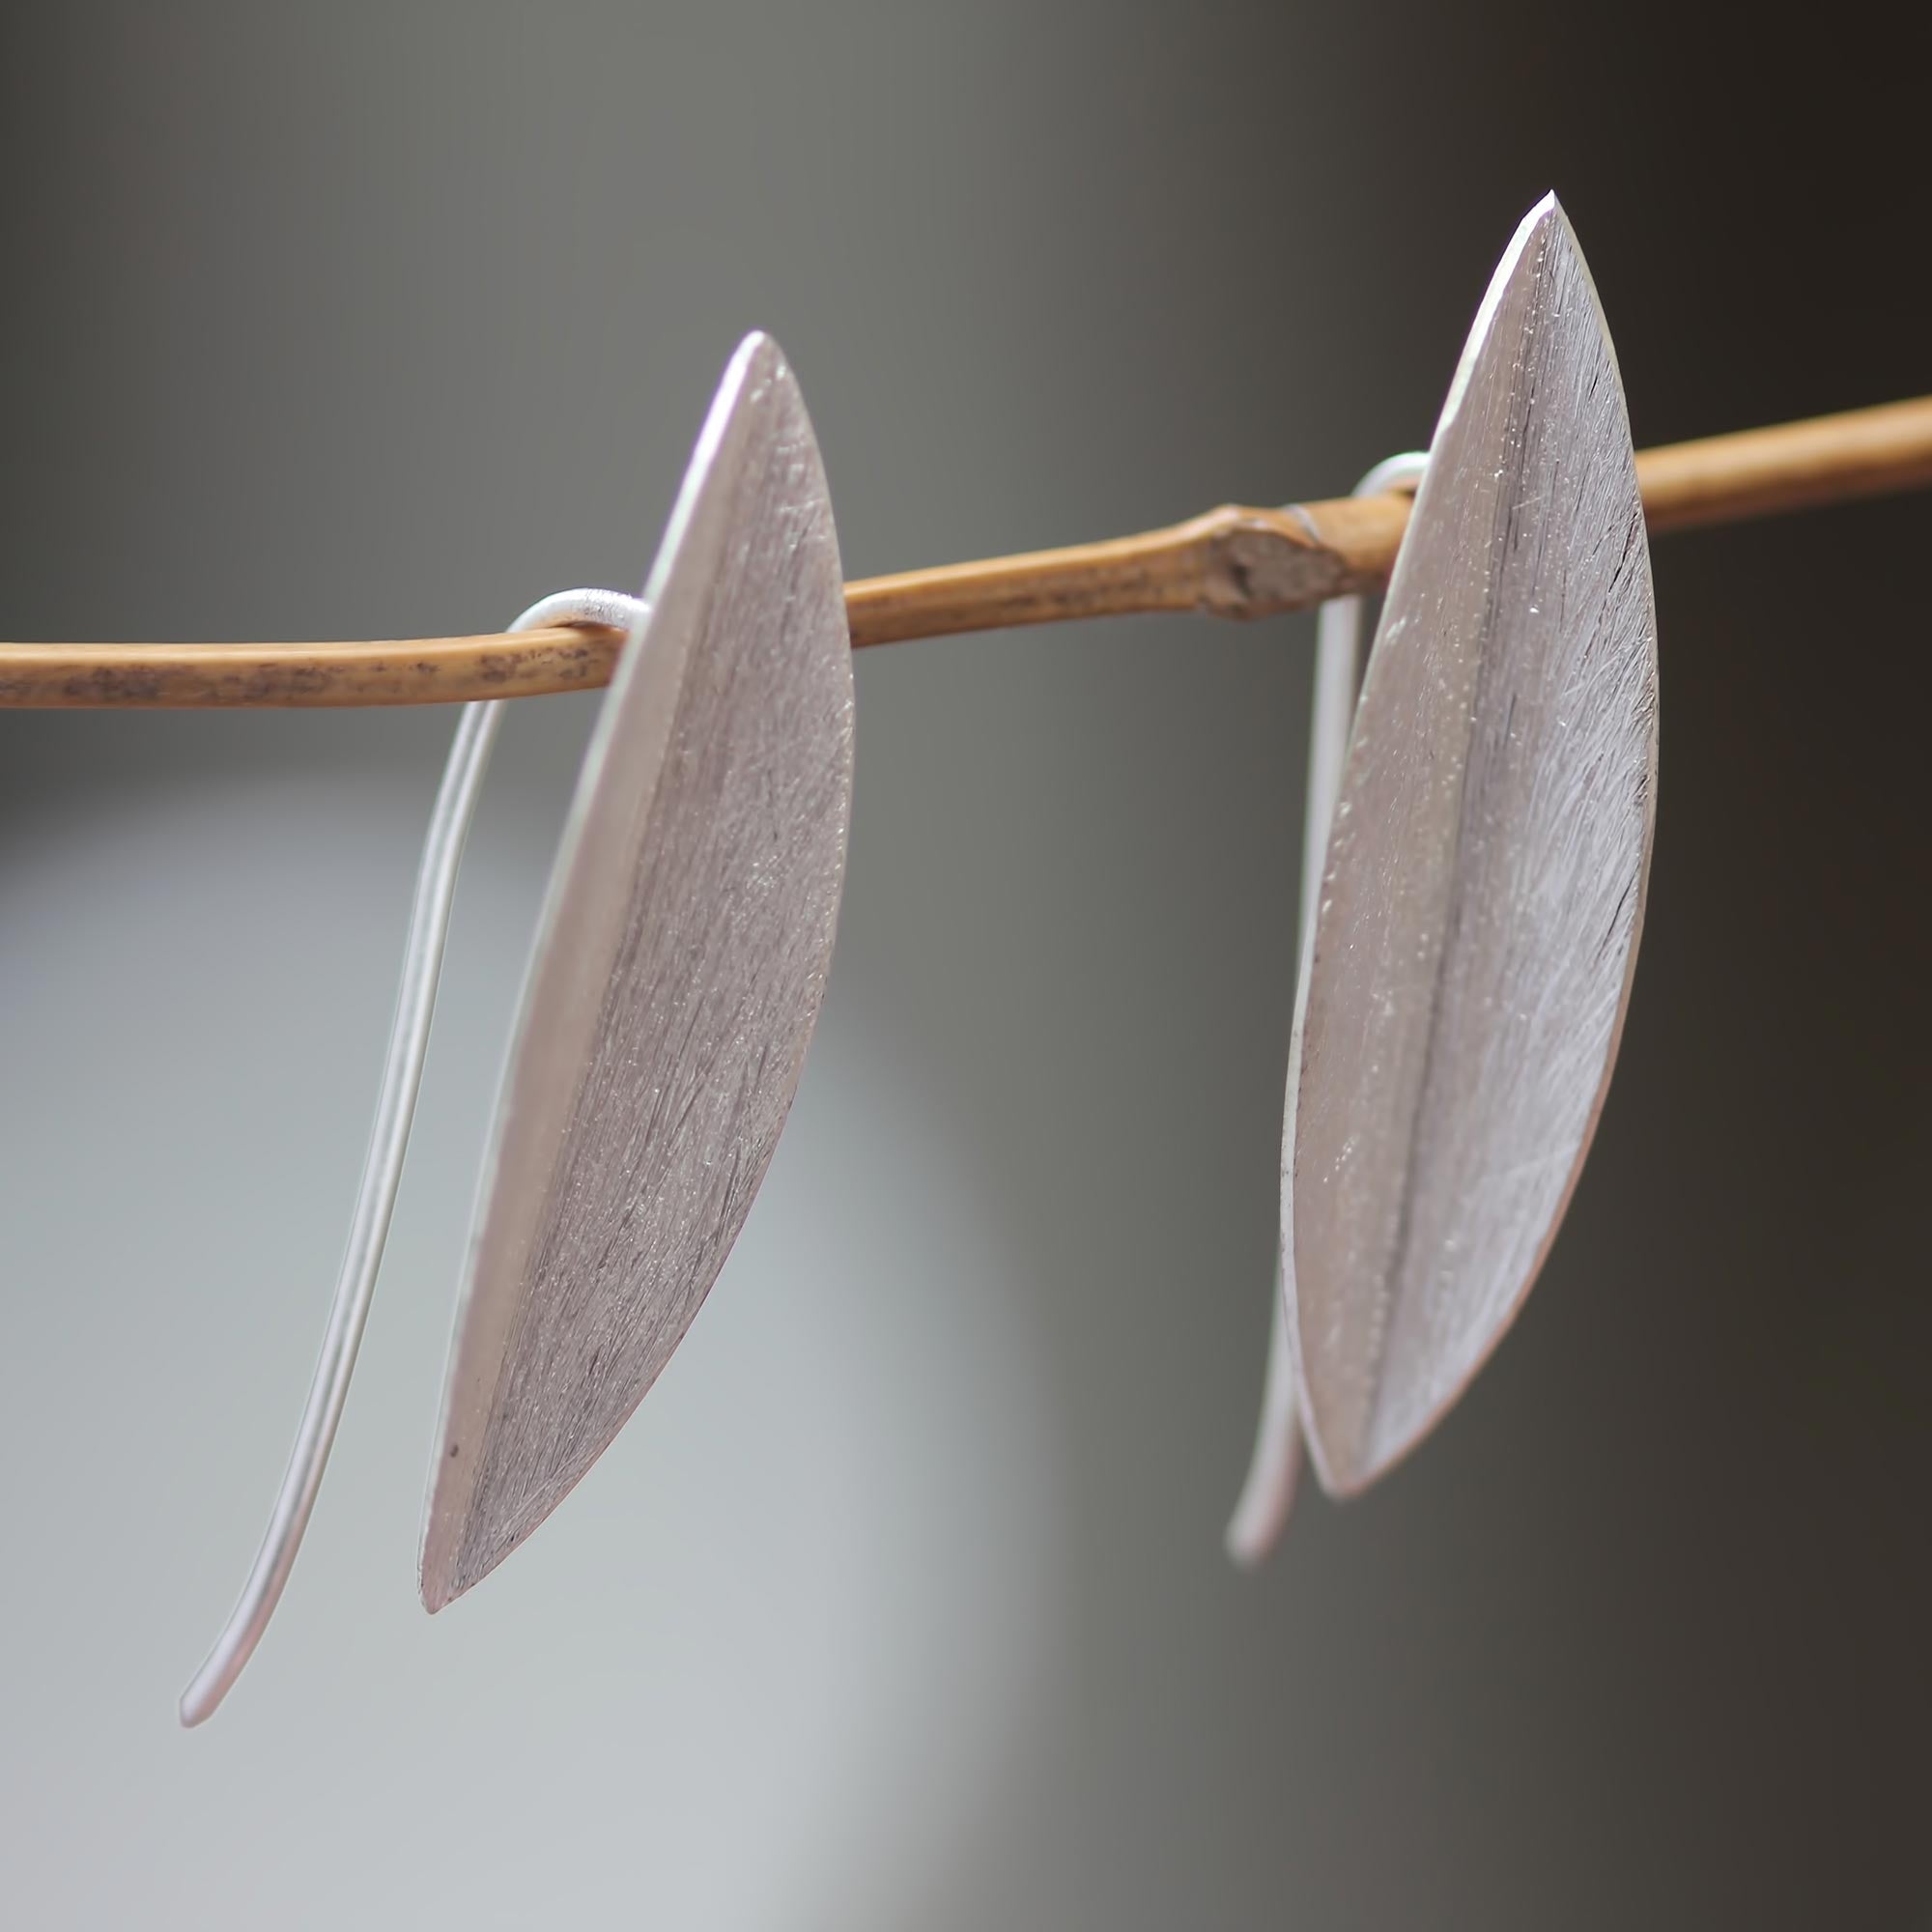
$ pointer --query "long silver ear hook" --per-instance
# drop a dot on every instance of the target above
(383, 1166)
(1269, 1492)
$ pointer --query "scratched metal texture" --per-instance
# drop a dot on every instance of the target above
(677, 974)
(1485, 881)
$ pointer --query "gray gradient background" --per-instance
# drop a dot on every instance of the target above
(901, 1603)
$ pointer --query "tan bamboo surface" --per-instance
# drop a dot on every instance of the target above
(1230, 562)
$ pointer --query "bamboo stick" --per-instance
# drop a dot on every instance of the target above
(1230, 562)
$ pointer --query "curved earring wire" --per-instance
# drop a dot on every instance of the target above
(1269, 1492)
(383, 1166)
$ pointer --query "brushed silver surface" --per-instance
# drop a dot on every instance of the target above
(1485, 881)
(678, 973)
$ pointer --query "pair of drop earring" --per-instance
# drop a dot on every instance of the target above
(1475, 854)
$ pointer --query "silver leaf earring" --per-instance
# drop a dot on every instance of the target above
(676, 976)
(1462, 1003)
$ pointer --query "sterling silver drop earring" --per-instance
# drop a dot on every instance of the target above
(676, 974)
(676, 978)
(1460, 1007)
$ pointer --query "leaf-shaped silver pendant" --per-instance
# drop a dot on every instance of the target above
(1485, 881)
(676, 977)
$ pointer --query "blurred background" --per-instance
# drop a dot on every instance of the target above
(903, 1602)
